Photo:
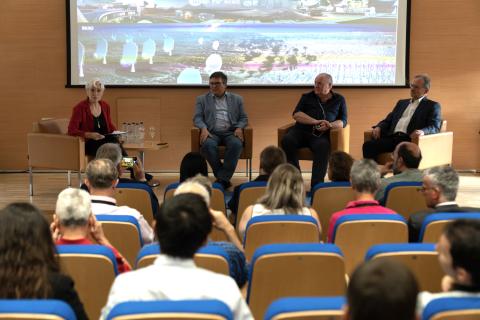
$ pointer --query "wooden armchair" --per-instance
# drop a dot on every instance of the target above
(437, 149)
(49, 147)
(339, 141)
(246, 152)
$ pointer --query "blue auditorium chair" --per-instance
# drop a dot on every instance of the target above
(285, 270)
(36, 309)
(165, 309)
(458, 308)
(420, 258)
(354, 234)
(270, 229)
(306, 308)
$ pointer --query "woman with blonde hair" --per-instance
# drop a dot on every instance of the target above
(285, 194)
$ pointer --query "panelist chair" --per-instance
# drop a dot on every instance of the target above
(430, 145)
(49, 147)
(246, 152)
(339, 141)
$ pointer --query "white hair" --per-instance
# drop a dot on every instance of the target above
(73, 207)
(94, 83)
(193, 187)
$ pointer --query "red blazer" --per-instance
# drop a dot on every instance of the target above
(82, 119)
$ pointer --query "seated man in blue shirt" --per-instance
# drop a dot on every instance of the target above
(316, 113)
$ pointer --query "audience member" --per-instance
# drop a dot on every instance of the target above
(182, 227)
(409, 119)
(381, 289)
(113, 152)
(102, 178)
(365, 179)
(406, 159)
(315, 114)
(202, 186)
(270, 158)
(221, 118)
(193, 163)
(29, 267)
(339, 166)
(74, 223)
(439, 188)
(285, 194)
(459, 256)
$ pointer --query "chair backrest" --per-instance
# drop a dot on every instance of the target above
(464, 308)
(306, 308)
(93, 268)
(420, 258)
(217, 200)
(433, 225)
(248, 194)
(404, 198)
(172, 310)
(36, 309)
(328, 198)
(209, 257)
(51, 125)
(50, 147)
(354, 234)
(137, 196)
(284, 270)
(124, 234)
(279, 229)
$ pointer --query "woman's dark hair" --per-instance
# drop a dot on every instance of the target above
(27, 253)
(339, 166)
(193, 163)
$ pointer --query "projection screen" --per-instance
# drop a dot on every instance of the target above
(255, 42)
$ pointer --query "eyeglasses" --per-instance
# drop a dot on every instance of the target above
(215, 83)
(413, 86)
(424, 189)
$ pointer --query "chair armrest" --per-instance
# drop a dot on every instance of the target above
(55, 151)
(195, 139)
(430, 144)
(367, 135)
(248, 142)
(340, 139)
(282, 131)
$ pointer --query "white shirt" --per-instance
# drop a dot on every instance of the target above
(176, 279)
(425, 297)
(109, 206)
(260, 210)
(403, 122)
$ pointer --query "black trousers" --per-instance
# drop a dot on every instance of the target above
(320, 147)
(372, 148)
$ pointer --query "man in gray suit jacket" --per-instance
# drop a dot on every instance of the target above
(221, 118)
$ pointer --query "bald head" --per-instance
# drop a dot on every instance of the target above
(407, 155)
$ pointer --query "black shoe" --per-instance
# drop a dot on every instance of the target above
(153, 182)
(225, 184)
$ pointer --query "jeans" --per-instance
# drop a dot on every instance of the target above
(233, 149)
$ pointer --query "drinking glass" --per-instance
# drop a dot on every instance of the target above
(151, 132)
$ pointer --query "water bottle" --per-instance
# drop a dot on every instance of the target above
(135, 132)
(129, 133)
(124, 129)
(141, 132)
